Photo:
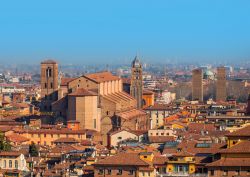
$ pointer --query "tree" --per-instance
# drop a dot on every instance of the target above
(4, 144)
(33, 150)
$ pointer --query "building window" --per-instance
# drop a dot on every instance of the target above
(131, 172)
(45, 85)
(51, 85)
(225, 172)
(145, 157)
(100, 172)
(58, 135)
(237, 172)
(45, 143)
(44, 135)
(119, 138)
(143, 174)
(48, 72)
(39, 135)
(212, 173)
(51, 135)
(162, 133)
(79, 136)
(119, 172)
(148, 173)
(16, 164)
(248, 172)
(10, 163)
(4, 164)
(109, 172)
(94, 123)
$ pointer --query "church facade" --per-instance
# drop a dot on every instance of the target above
(97, 101)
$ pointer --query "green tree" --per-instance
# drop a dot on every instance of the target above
(33, 150)
(4, 144)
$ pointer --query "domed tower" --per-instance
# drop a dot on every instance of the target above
(136, 81)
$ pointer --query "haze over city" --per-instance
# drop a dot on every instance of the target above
(91, 32)
(125, 88)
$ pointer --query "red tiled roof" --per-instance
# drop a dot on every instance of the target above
(65, 81)
(230, 162)
(102, 77)
(245, 131)
(83, 92)
(131, 114)
(16, 138)
(159, 160)
(50, 131)
(242, 147)
(160, 139)
(10, 153)
(198, 127)
(122, 159)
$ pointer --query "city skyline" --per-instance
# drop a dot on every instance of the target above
(114, 32)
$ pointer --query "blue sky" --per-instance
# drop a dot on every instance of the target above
(108, 31)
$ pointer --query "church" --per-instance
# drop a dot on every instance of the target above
(94, 101)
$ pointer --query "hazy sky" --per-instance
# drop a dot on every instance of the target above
(87, 31)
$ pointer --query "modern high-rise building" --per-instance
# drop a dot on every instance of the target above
(221, 94)
(197, 86)
(49, 83)
(136, 82)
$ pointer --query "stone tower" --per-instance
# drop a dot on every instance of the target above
(248, 105)
(221, 94)
(49, 83)
(197, 86)
(136, 82)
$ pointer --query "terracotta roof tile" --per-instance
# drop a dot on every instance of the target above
(242, 147)
(131, 114)
(83, 92)
(102, 77)
(230, 162)
(245, 131)
(10, 153)
(65, 81)
(160, 139)
(122, 159)
(16, 138)
(66, 140)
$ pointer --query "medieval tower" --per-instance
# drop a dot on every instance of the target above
(136, 82)
(49, 83)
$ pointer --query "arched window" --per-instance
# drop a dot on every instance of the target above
(49, 72)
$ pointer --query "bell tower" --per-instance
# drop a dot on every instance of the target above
(136, 82)
(49, 83)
